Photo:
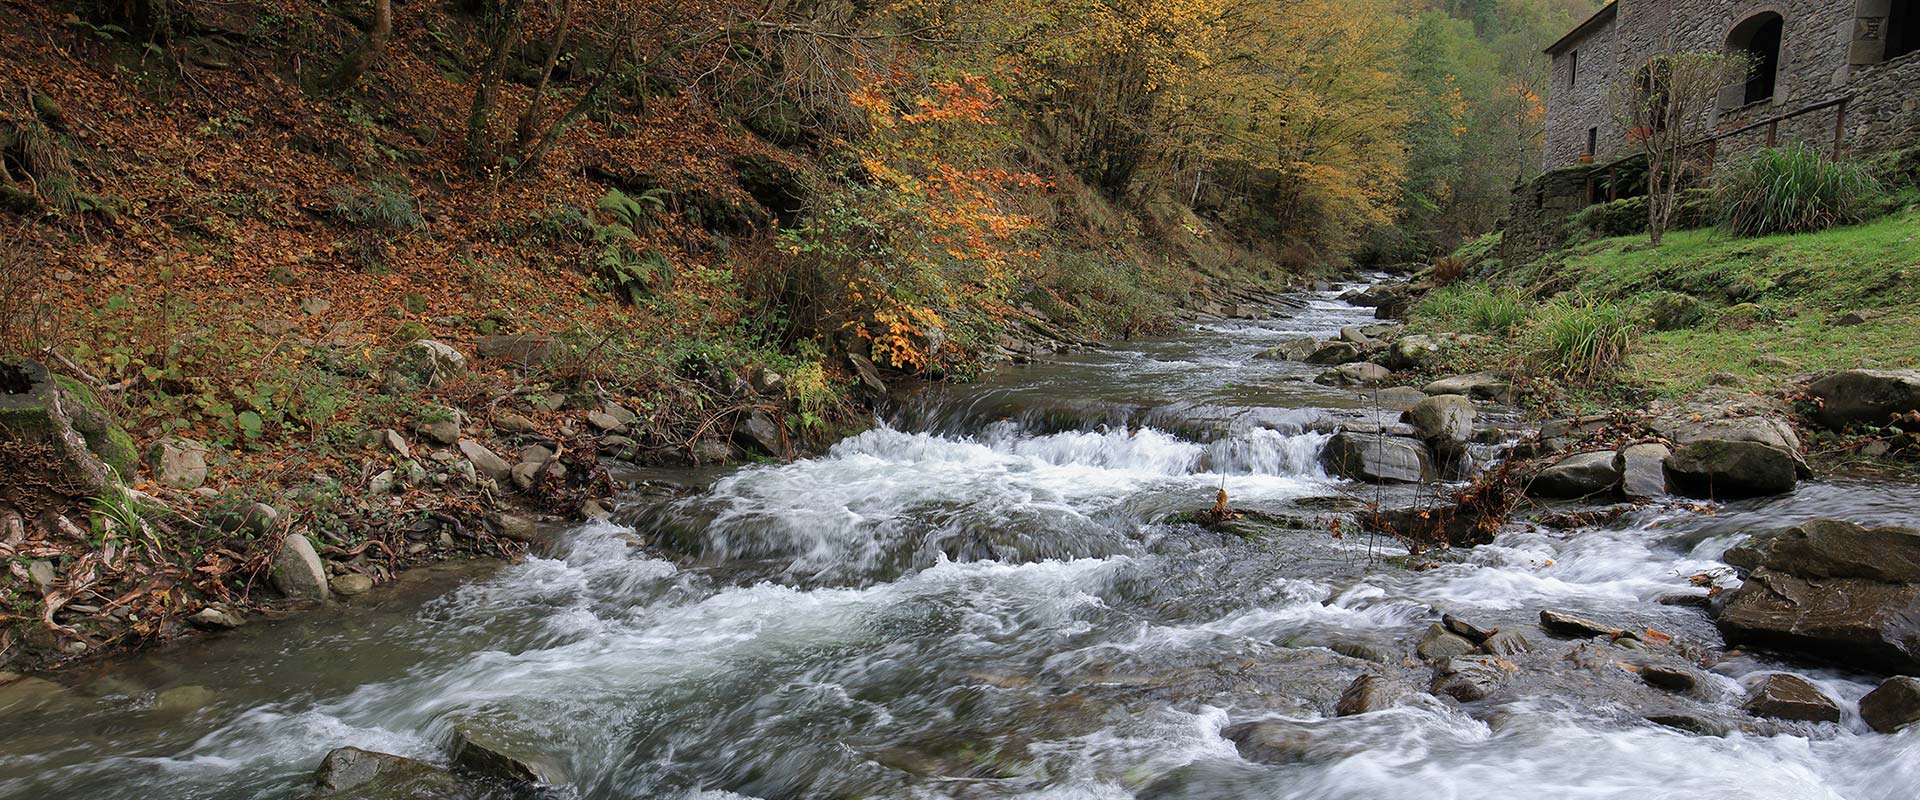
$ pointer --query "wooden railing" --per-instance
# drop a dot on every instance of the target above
(1712, 142)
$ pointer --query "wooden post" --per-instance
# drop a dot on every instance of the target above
(1589, 186)
(1613, 182)
(1773, 132)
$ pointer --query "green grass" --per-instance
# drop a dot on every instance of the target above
(1583, 337)
(1770, 302)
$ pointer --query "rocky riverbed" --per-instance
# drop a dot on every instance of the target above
(1173, 568)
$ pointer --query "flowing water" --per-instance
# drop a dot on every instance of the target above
(986, 599)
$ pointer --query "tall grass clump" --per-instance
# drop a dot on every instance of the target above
(1793, 189)
(1478, 308)
(1583, 337)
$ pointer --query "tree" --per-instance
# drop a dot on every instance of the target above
(361, 59)
(1664, 107)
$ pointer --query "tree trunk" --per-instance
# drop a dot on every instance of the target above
(361, 59)
(481, 153)
(523, 135)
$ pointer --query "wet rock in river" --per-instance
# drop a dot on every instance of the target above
(1369, 692)
(1790, 697)
(1291, 350)
(1507, 643)
(1358, 373)
(350, 772)
(1643, 470)
(1671, 678)
(488, 756)
(1727, 469)
(1470, 678)
(1282, 742)
(351, 584)
(1577, 475)
(1892, 706)
(1831, 589)
(1412, 351)
(1378, 459)
(1865, 396)
(1439, 643)
(1335, 353)
(1563, 624)
(1445, 421)
(1465, 629)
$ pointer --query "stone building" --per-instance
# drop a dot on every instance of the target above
(1841, 75)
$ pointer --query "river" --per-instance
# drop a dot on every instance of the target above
(984, 598)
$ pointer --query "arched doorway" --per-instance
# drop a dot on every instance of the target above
(1759, 37)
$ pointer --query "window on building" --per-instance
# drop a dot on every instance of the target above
(1573, 67)
(1759, 38)
(1593, 139)
(1903, 28)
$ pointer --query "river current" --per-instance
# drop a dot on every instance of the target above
(986, 597)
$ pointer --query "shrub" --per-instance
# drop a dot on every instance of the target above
(1792, 189)
(1478, 308)
(1583, 337)
(1447, 269)
(382, 205)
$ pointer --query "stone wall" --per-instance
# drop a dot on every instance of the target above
(1828, 48)
(1885, 112)
(1537, 217)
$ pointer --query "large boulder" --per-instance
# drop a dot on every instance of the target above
(483, 754)
(1377, 458)
(1643, 469)
(1577, 475)
(1445, 421)
(1865, 396)
(1833, 590)
(1725, 469)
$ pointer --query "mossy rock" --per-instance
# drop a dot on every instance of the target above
(1672, 311)
(1744, 315)
(108, 441)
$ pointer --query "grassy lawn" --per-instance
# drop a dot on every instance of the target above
(1767, 306)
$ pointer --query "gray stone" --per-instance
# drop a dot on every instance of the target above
(519, 349)
(183, 700)
(1463, 628)
(1832, 589)
(350, 772)
(429, 363)
(760, 429)
(486, 461)
(1291, 350)
(1790, 697)
(517, 528)
(178, 463)
(1672, 679)
(381, 484)
(1865, 396)
(1377, 459)
(1358, 373)
(1563, 624)
(1770, 431)
(1445, 421)
(297, 571)
(1895, 704)
(1439, 644)
(1478, 385)
(217, 618)
(525, 474)
(42, 573)
(1398, 398)
(1335, 353)
(488, 756)
(1278, 742)
(350, 584)
(443, 430)
(1368, 692)
(1412, 351)
(1470, 678)
(392, 439)
(1577, 475)
(869, 374)
(1721, 469)
(1507, 643)
(606, 422)
(514, 423)
(1643, 470)
(1363, 651)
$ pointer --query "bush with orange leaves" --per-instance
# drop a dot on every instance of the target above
(920, 252)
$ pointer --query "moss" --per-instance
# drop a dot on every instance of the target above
(111, 443)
